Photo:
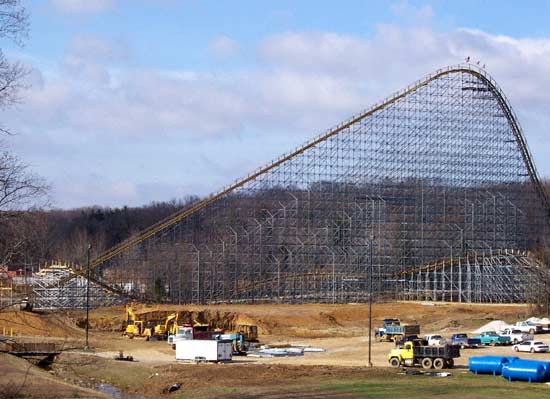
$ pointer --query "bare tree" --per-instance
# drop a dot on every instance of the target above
(20, 189)
(14, 25)
(22, 235)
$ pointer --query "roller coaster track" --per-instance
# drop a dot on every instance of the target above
(468, 69)
(286, 277)
(469, 258)
(112, 289)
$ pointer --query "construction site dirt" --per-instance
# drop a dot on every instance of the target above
(340, 329)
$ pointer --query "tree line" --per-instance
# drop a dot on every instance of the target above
(37, 236)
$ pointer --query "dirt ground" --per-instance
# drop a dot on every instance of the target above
(342, 330)
(21, 379)
(316, 320)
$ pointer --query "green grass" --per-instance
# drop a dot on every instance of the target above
(463, 386)
(214, 392)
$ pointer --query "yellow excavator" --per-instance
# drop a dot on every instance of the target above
(169, 327)
(135, 328)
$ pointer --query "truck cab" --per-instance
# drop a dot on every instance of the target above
(385, 324)
(516, 336)
(193, 332)
(434, 339)
(405, 354)
(528, 327)
(462, 340)
(492, 338)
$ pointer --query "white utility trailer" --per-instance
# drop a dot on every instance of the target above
(204, 350)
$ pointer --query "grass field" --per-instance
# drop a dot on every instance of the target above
(379, 384)
(463, 386)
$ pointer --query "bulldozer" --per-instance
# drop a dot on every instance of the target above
(135, 328)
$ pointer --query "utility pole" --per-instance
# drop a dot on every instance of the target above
(371, 238)
(87, 294)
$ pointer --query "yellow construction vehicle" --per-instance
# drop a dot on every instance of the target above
(135, 328)
(173, 329)
(415, 353)
(249, 332)
(169, 327)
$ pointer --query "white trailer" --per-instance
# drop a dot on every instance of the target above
(204, 350)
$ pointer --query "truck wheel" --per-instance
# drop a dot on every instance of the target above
(492, 343)
(394, 362)
(462, 346)
(450, 363)
(427, 363)
(439, 363)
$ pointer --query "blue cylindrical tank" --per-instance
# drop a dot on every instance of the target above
(487, 364)
(546, 366)
(524, 370)
(547, 371)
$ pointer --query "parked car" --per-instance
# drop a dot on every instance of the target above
(434, 339)
(463, 341)
(531, 346)
(516, 336)
(492, 338)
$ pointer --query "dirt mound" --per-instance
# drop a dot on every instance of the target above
(496, 325)
(47, 325)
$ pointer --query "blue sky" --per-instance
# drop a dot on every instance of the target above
(137, 101)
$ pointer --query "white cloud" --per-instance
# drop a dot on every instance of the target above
(301, 77)
(89, 58)
(83, 6)
(299, 84)
(422, 15)
(76, 191)
(223, 47)
(327, 52)
(98, 50)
